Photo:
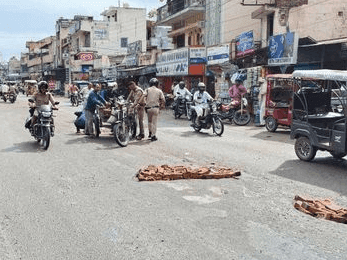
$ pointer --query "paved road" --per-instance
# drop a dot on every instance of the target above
(80, 199)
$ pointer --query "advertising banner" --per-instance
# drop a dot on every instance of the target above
(197, 55)
(217, 55)
(173, 63)
(244, 44)
(283, 49)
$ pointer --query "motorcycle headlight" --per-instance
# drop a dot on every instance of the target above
(46, 114)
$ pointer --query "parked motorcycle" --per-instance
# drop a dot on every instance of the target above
(43, 128)
(211, 119)
(124, 123)
(182, 106)
(239, 115)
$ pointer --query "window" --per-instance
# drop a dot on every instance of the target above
(124, 42)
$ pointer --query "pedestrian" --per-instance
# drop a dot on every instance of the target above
(138, 104)
(155, 100)
(93, 100)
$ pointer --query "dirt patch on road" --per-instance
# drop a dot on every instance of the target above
(321, 209)
(166, 172)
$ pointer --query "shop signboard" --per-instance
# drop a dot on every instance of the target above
(134, 47)
(173, 63)
(244, 44)
(217, 55)
(197, 55)
(86, 56)
(130, 60)
(283, 49)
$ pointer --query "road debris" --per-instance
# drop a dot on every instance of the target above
(166, 172)
(321, 209)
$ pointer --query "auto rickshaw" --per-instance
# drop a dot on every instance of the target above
(319, 113)
(278, 103)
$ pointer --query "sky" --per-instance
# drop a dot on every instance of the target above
(33, 20)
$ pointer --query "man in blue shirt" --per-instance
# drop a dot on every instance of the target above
(93, 100)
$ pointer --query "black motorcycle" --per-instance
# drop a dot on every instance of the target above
(75, 99)
(43, 128)
(182, 106)
(124, 123)
(239, 115)
(12, 97)
(211, 119)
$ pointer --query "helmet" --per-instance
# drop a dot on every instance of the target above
(181, 84)
(201, 86)
(153, 82)
(43, 85)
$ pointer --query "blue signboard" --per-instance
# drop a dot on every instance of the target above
(244, 44)
(283, 49)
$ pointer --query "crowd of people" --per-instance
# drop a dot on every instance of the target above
(149, 101)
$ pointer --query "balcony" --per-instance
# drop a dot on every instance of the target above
(176, 10)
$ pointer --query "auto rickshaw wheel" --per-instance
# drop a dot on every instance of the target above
(337, 155)
(271, 124)
(304, 149)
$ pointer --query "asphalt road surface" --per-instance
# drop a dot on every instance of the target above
(80, 198)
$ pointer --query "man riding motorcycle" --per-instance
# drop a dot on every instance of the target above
(182, 91)
(201, 99)
(236, 92)
(42, 97)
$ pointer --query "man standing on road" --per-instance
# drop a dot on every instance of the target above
(93, 100)
(154, 101)
(135, 97)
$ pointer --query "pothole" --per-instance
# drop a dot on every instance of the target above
(166, 172)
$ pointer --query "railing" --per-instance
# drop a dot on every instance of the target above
(175, 6)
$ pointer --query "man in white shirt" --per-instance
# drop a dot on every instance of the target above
(201, 99)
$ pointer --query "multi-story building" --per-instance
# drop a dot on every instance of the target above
(41, 58)
(88, 46)
(187, 61)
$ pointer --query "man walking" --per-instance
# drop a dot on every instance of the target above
(154, 101)
(135, 97)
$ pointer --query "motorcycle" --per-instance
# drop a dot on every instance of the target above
(43, 128)
(75, 99)
(239, 115)
(123, 122)
(12, 96)
(182, 106)
(211, 119)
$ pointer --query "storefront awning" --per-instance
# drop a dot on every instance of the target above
(138, 71)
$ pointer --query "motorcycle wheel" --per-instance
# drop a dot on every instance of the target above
(121, 134)
(218, 126)
(304, 149)
(12, 99)
(46, 137)
(96, 127)
(195, 126)
(5, 99)
(177, 115)
(271, 124)
(242, 118)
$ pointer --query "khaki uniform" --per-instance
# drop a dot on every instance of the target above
(135, 96)
(154, 99)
